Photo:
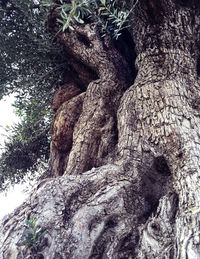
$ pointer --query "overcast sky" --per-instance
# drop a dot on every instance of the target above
(15, 196)
(7, 116)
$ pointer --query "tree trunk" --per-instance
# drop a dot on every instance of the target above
(125, 155)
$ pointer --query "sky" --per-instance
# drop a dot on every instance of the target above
(12, 199)
(16, 195)
(7, 116)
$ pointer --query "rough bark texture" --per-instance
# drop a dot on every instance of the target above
(125, 155)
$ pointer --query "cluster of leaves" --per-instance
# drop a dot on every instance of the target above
(112, 18)
(33, 235)
(74, 12)
(31, 64)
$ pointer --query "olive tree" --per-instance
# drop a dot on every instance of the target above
(123, 177)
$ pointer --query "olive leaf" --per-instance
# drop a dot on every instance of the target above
(110, 18)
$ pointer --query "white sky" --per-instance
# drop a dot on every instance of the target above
(10, 200)
(15, 196)
(7, 116)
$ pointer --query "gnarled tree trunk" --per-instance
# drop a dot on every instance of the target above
(125, 148)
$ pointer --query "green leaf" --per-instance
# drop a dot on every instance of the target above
(66, 7)
(79, 20)
(60, 21)
(103, 2)
(71, 28)
(65, 26)
(63, 14)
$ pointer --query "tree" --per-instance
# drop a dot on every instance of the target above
(31, 66)
(126, 147)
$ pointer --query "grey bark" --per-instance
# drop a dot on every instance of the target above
(125, 155)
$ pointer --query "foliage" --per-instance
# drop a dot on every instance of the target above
(31, 64)
(110, 17)
(25, 149)
(112, 20)
(74, 12)
(32, 235)
(28, 53)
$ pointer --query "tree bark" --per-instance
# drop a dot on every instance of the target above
(125, 155)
